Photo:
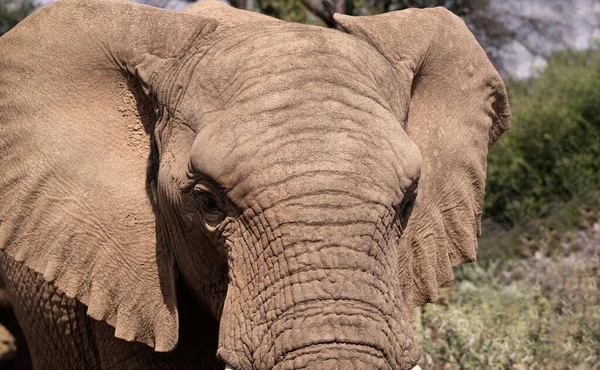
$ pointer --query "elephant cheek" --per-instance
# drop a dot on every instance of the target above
(203, 267)
(233, 352)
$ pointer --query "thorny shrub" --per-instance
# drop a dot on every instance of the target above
(542, 312)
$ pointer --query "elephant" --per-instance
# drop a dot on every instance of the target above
(216, 188)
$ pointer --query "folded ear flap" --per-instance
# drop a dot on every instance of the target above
(79, 84)
(458, 109)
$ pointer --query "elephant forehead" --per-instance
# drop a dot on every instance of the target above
(281, 59)
(323, 147)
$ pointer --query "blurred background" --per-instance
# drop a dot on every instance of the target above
(532, 299)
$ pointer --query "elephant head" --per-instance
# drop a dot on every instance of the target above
(310, 186)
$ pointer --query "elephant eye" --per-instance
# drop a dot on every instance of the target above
(207, 202)
(405, 212)
(407, 206)
(210, 206)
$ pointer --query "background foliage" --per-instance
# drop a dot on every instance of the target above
(535, 313)
(12, 12)
(552, 153)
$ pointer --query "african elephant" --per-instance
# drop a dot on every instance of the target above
(216, 187)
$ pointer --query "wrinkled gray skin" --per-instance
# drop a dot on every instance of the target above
(180, 186)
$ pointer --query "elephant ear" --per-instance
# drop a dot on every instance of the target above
(80, 82)
(458, 109)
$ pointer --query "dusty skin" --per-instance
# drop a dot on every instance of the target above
(218, 188)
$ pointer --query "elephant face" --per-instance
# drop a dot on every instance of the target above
(284, 166)
(288, 196)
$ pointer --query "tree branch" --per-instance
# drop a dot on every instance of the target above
(319, 11)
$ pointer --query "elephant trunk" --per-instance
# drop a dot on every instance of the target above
(319, 291)
(336, 334)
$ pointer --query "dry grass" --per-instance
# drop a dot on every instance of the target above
(542, 312)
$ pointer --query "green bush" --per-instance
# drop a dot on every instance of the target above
(14, 11)
(552, 153)
(291, 11)
(542, 234)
